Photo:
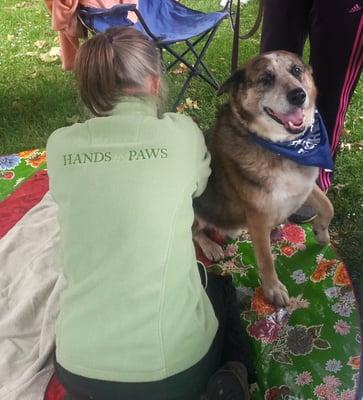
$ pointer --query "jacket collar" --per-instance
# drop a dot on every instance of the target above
(135, 105)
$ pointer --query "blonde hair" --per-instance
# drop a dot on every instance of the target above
(110, 63)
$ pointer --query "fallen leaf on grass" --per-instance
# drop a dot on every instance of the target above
(339, 186)
(189, 104)
(180, 108)
(10, 37)
(51, 56)
(73, 119)
(27, 54)
(23, 4)
(54, 51)
(349, 146)
(181, 70)
(34, 73)
(346, 146)
(40, 44)
(45, 57)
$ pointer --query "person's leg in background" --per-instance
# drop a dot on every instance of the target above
(285, 25)
(234, 339)
(230, 381)
(335, 34)
(336, 55)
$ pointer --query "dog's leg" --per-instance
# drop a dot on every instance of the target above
(260, 233)
(212, 250)
(234, 233)
(325, 212)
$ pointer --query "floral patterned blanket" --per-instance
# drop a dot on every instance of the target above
(309, 350)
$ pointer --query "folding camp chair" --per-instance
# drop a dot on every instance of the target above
(167, 22)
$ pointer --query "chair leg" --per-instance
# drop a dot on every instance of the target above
(195, 69)
(212, 82)
(182, 91)
(206, 69)
(171, 65)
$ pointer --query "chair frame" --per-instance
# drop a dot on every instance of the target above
(198, 68)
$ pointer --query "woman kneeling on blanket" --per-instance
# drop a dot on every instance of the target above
(135, 320)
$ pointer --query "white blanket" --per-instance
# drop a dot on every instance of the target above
(30, 283)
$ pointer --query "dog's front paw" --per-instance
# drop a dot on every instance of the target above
(321, 235)
(212, 250)
(276, 293)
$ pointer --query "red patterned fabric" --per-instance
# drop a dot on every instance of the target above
(13, 208)
(54, 390)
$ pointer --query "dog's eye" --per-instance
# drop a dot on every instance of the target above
(266, 79)
(296, 71)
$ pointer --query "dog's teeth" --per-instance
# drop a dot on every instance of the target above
(293, 126)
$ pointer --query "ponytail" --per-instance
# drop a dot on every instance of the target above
(110, 63)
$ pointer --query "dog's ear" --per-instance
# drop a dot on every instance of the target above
(235, 79)
(309, 68)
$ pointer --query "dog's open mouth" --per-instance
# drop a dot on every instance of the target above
(293, 122)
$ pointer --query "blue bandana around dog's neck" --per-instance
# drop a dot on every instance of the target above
(310, 149)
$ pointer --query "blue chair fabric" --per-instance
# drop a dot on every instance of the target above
(167, 22)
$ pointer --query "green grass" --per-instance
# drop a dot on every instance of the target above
(37, 97)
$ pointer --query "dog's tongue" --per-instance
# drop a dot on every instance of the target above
(296, 118)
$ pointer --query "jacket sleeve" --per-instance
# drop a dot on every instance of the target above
(202, 163)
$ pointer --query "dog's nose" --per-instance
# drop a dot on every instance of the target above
(296, 97)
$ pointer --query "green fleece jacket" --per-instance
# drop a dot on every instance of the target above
(133, 309)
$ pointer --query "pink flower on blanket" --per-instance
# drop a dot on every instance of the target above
(342, 327)
(332, 381)
(347, 395)
(293, 233)
(265, 330)
(304, 378)
(230, 250)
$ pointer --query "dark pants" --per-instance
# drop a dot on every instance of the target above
(335, 31)
(230, 344)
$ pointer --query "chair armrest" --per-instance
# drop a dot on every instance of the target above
(105, 11)
(86, 13)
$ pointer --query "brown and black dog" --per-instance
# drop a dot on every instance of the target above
(273, 95)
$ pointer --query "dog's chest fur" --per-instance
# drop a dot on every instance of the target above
(289, 188)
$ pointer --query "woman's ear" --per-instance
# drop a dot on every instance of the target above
(234, 80)
(154, 84)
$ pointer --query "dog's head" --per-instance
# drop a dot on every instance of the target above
(273, 95)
